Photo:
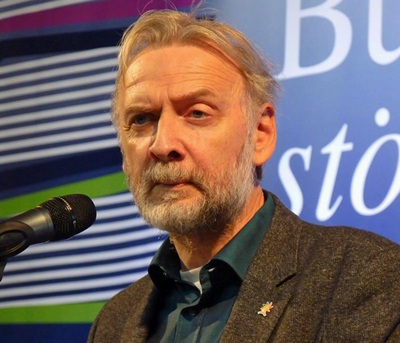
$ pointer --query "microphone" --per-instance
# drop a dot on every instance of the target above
(55, 219)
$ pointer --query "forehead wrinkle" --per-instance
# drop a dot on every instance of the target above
(220, 78)
(220, 70)
(205, 83)
(199, 86)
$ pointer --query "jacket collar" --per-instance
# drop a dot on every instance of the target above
(270, 278)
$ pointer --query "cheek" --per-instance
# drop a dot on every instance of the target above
(134, 157)
(222, 154)
(232, 143)
(134, 149)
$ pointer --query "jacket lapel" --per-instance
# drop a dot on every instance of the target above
(143, 311)
(270, 278)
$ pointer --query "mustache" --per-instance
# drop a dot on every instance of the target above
(170, 173)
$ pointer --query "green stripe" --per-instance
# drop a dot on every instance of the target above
(71, 313)
(97, 187)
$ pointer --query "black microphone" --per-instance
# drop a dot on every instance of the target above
(56, 219)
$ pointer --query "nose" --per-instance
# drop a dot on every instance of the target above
(167, 145)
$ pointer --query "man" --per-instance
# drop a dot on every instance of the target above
(194, 112)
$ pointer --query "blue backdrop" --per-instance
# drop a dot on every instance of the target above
(338, 152)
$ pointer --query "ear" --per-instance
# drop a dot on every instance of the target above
(264, 134)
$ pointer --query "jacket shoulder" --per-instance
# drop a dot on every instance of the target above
(332, 237)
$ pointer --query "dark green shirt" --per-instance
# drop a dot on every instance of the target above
(189, 316)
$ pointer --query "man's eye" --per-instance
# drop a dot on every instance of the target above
(141, 119)
(198, 114)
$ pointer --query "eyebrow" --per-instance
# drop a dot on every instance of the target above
(137, 109)
(182, 98)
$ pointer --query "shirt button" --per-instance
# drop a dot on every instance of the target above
(193, 312)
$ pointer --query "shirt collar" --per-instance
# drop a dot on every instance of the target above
(240, 251)
(237, 254)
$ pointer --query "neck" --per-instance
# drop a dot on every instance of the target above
(196, 250)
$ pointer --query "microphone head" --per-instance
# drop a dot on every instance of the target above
(70, 214)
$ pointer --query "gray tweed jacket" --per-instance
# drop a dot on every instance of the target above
(326, 285)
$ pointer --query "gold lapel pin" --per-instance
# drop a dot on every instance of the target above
(265, 308)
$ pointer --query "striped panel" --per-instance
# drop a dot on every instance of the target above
(11, 8)
(55, 106)
(91, 266)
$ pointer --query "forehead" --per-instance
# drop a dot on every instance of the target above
(182, 66)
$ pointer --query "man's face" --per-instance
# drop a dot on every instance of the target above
(185, 139)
